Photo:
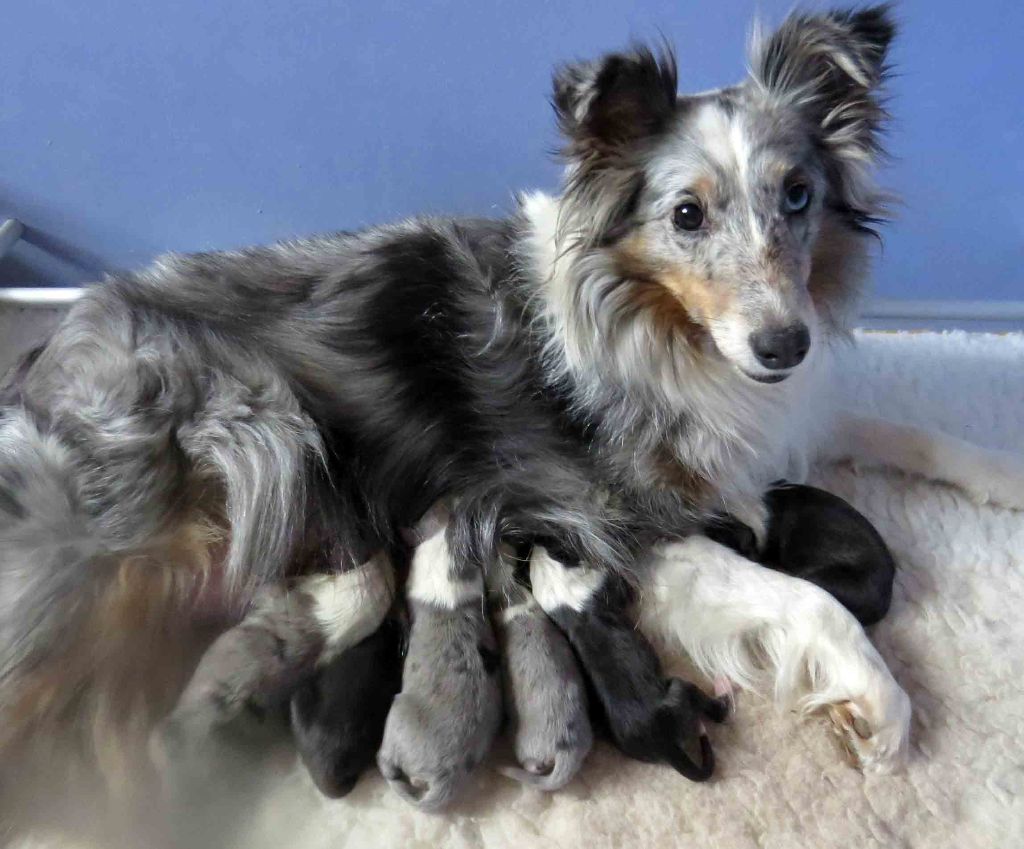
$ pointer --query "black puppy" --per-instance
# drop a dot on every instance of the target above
(338, 715)
(817, 536)
(648, 717)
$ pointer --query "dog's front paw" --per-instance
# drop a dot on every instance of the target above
(873, 737)
(999, 480)
(873, 723)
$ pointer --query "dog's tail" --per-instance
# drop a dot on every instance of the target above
(128, 491)
(99, 481)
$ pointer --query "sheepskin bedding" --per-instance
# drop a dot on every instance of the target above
(954, 639)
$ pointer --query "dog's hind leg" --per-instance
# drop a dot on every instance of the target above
(766, 630)
(987, 475)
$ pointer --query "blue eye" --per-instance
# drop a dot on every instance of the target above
(797, 199)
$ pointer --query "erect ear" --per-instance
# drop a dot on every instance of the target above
(618, 99)
(831, 67)
(608, 110)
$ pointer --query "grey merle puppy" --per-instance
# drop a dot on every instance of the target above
(217, 421)
(545, 694)
(442, 723)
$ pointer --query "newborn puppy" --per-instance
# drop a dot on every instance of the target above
(545, 695)
(338, 715)
(255, 667)
(249, 670)
(817, 536)
(443, 722)
(648, 717)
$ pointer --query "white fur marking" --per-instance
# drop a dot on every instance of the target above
(350, 606)
(759, 628)
(430, 578)
(555, 585)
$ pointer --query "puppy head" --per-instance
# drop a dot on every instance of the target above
(733, 220)
(338, 716)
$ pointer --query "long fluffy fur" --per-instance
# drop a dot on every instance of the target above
(218, 421)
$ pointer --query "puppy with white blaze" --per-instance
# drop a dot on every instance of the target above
(291, 644)
(606, 367)
(442, 723)
(545, 695)
(649, 717)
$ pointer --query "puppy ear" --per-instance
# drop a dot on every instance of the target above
(831, 67)
(686, 766)
(619, 99)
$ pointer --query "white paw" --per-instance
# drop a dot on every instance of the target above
(873, 745)
(999, 480)
(873, 722)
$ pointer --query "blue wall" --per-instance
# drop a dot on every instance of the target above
(128, 128)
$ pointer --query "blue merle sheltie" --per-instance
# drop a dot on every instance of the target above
(623, 362)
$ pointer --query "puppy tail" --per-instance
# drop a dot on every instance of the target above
(548, 775)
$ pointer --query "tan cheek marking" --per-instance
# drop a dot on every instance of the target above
(700, 297)
(649, 292)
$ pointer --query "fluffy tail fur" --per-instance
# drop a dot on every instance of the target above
(135, 477)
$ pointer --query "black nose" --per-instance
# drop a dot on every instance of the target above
(781, 348)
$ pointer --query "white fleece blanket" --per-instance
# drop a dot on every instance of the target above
(954, 639)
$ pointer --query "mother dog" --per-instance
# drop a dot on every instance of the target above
(608, 366)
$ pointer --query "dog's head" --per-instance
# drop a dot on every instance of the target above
(735, 217)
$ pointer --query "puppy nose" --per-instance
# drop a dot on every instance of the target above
(781, 348)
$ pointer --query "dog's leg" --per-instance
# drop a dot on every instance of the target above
(986, 475)
(766, 630)
(545, 695)
(650, 718)
(442, 723)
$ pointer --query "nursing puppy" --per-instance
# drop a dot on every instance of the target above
(545, 694)
(251, 668)
(338, 714)
(817, 536)
(649, 717)
(290, 639)
(442, 723)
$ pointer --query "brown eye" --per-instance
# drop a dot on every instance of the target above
(688, 216)
(797, 199)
